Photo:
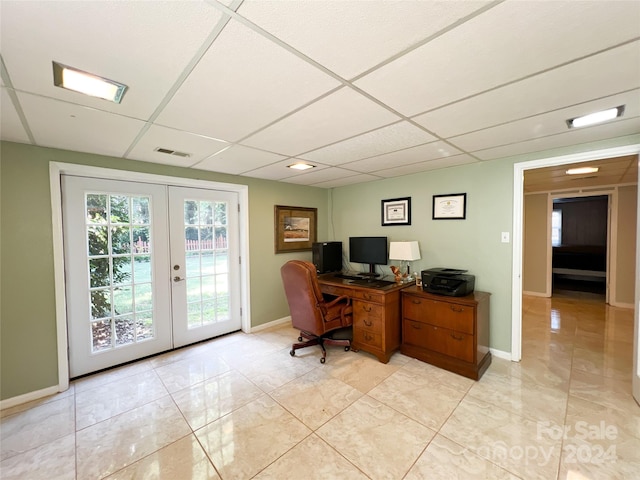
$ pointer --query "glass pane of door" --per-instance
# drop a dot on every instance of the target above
(205, 262)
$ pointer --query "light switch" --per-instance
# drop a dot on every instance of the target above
(505, 237)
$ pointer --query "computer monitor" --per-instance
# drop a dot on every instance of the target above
(370, 250)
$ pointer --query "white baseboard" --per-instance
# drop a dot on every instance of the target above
(273, 323)
(500, 354)
(28, 397)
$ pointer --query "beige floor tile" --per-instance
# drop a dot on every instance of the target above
(316, 397)
(609, 392)
(430, 373)
(522, 396)
(311, 459)
(36, 427)
(419, 396)
(361, 370)
(113, 444)
(584, 413)
(208, 401)
(70, 392)
(183, 459)
(115, 374)
(244, 442)
(102, 402)
(515, 443)
(598, 363)
(190, 371)
(275, 369)
(446, 460)
(380, 441)
(55, 460)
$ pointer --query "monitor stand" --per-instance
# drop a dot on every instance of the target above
(371, 274)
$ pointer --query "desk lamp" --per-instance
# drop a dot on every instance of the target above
(405, 252)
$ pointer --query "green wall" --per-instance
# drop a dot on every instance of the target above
(473, 243)
(28, 344)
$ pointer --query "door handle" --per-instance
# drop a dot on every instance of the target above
(178, 279)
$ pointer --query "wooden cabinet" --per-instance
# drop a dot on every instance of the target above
(376, 315)
(448, 332)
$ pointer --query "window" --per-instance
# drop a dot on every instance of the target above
(556, 228)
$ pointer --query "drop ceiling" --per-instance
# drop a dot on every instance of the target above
(362, 90)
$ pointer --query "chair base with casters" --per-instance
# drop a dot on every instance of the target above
(322, 340)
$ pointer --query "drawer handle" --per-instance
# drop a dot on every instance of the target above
(416, 302)
(368, 323)
(457, 309)
(416, 326)
(368, 337)
(366, 309)
(367, 296)
(457, 337)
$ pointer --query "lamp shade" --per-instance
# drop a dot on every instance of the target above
(404, 251)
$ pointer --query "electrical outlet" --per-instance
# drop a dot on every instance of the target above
(505, 237)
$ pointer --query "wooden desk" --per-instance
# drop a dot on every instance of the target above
(376, 314)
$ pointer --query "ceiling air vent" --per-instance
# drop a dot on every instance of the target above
(172, 152)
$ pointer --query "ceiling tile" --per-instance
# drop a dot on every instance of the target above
(144, 45)
(497, 47)
(239, 159)
(615, 129)
(349, 39)
(344, 181)
(407, 156)
(383, 140)
(436, 164)
(59, 124)
(197, 146)
(318, 176)
(243, 83)
(279, 171)
(600, 75)
(546, 124)
(341, 115)
(10, 124)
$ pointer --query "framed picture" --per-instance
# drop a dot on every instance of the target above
(396, 211)
(295, 228)
(450, 207)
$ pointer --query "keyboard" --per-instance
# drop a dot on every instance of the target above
(373, 283)
(347, 277)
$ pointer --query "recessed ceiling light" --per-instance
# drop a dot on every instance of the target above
(581, 170)
(301, 166)
(87, 83)
(596, 117)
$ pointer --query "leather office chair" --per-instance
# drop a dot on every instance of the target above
(317, 317)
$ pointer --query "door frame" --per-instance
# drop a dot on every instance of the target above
(516, 275)
(57, 169)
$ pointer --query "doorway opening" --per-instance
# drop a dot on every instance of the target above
(579, 243)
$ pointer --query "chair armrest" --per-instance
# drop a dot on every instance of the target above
(337, 300)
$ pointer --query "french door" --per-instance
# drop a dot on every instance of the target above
(148, 268)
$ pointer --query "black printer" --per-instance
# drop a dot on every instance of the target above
(447, 281)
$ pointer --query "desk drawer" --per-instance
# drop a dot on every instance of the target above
(442, 314)
(336, 290)
(366, 310)
(367, 337)
(442, 340)
(368, 296)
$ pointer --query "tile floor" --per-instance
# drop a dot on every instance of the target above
(240, 407)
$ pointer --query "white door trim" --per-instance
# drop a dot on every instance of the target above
(57, 169)
(518, 195)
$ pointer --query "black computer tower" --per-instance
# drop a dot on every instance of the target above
(327, 256)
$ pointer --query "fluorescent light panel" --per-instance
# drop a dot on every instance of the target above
(582, 170)
(596, 117)
(301, 166)
(87, 83)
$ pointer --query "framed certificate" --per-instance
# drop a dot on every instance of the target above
(396, 211)
(450, 207)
